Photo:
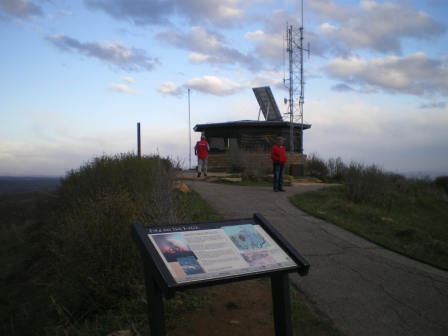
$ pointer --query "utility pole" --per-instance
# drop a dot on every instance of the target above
(189, 130)
(139, 149)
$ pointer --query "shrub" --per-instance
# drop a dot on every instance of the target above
(124, 171)
(96, 261)
(419, 185)
(441, 182)
(254, 163)
(316, 167)
(365, 183)
(236, 158)
(162, 205)
(335, 168)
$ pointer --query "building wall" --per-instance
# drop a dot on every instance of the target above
(220, 162)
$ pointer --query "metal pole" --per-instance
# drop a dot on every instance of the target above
(139, 149)
(189, 129)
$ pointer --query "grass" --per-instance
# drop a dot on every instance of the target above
(411, 225)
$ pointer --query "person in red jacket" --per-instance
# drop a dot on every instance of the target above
(278, 156)
(201, 151)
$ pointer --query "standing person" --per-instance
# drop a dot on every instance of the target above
(201, 150)
(278, 156)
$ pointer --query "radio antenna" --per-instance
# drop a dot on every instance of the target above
(296, 80)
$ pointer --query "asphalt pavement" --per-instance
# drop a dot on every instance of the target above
(363, 288)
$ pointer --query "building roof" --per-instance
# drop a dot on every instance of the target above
(248, 124)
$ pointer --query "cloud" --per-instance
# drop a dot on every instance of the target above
(60, 15)
(268, 46)
(214, 86)
(328, 9)
(222, 13)
(152, 12)
(170, 89)
(122, 88)
(434, 105)
(415, 74)
(20, 8)
(198, 39)
(403, 138)
(341, 87)
(207, 84)
(375, 26)
(129, 59)
(270, 79)
(160, 12)
(129, 80)
(209, 48)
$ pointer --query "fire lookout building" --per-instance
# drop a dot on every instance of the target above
(252, 135)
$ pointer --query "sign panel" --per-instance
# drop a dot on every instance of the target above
(197, 253)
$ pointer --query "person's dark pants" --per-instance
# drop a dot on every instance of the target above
(279, 171)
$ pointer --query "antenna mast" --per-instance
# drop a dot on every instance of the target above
(189, 130)
(294, 40)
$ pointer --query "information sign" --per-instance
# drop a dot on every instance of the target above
(225, 251)
(183, 256)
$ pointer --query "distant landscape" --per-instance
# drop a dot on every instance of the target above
(13, 184)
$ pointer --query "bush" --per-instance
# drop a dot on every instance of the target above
(95, 259)
(236, 159)
(254, 163)
(316, 167)
(124, 171)
(365, 183)
(441, 182)
(419, 185)
(335, 168)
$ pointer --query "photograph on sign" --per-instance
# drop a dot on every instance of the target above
(233, 250)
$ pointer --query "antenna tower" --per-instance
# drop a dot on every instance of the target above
(294, 40)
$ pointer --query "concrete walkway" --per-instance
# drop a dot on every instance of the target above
(363, 288)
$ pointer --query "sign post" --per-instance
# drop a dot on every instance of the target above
(186, 256)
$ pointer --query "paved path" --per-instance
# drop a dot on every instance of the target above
(363, 288)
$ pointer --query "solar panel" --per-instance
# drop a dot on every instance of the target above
(267, 103)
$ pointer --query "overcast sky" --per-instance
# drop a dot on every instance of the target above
(78, 75)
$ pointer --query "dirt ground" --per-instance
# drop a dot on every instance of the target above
(241, 308)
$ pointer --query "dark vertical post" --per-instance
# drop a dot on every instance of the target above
(156, 312)
(139, 148)
(189, 131)
(281, 305)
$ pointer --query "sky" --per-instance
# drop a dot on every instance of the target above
(77, 76)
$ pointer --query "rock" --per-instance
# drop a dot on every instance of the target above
(182, 187)
(121, 333)
(232, 179)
